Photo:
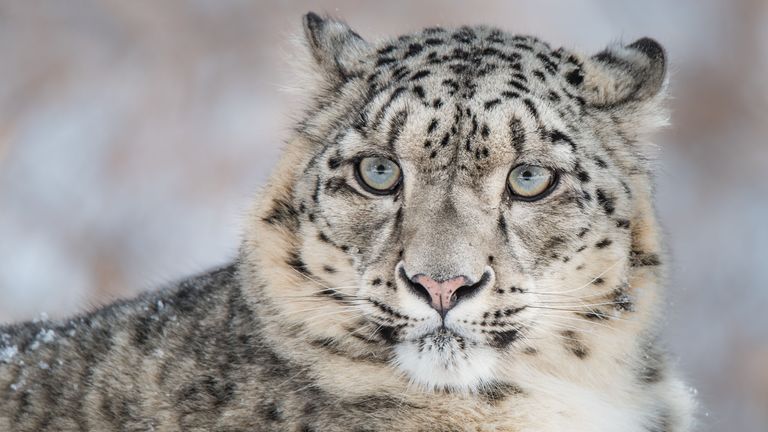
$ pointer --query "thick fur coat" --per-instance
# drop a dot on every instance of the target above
(321, 324)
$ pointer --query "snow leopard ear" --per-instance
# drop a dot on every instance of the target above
(335, 47)
(623, 74)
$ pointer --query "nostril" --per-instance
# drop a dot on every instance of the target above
(466, 291)
(421, 291)
(463, 292)
(415, 287)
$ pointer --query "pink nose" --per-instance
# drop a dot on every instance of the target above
(441, 293)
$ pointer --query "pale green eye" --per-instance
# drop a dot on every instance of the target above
(530, 182)
(378, 175)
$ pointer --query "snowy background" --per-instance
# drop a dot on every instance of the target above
(133, 135)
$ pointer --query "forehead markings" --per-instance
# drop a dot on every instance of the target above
(460, 80)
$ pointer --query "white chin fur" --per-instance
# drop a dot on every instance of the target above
(431, 368)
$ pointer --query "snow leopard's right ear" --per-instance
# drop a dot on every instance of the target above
(335, 47)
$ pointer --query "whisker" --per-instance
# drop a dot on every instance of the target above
(588, 283)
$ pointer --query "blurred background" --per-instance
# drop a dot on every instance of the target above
(134, 134)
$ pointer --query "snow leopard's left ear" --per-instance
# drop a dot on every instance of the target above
(336, 48)
(626, 74)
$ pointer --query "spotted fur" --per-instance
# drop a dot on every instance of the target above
(317, 325)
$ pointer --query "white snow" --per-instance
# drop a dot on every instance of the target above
(46, 335)
(8, 353)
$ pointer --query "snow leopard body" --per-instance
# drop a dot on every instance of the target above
(318, 324)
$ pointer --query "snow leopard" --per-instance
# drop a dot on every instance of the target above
(460, 235)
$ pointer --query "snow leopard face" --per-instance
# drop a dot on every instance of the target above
(474, 199)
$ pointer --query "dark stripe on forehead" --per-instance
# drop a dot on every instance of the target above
(517, 134)
(531, 108)
(558, 137)
(396, 126)
(396, 94)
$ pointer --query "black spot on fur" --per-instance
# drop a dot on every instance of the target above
(491, 103)
(400, 72)
(607, 201)
(517, 134)
(503, 339)
(558, 137)
(419, 75)
(523, 46)
(386, 50)
(531, 108)
(333, 294)
(622, 223)
(574, 77)
(503, 227)
(383, 61)
(574, 345)
(388, 333)
(510, 94)
(651, 366)
(600, 162)
(334, 162)
(432, 125)
(642, 259)
(296, 263)
(622, 300)
(519, 86)
(596, 315)
(485, 131)
(549, 66)
(396, 127)
(495, 392)
(282, 213)
(603, 243)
